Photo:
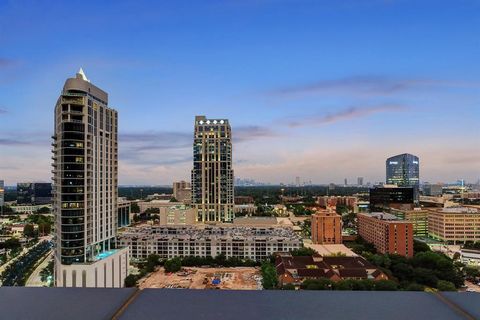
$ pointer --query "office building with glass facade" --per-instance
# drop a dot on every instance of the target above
(403, 170)
(34, 193)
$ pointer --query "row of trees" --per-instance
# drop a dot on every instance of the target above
(43, 221)
(300, 209)
(427, 268)
(349, 284)
(17, 273)
(472, 245)
(47, 272)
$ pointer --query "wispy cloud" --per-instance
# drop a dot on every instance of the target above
(347, 114)
(247, 133)
(3, 111)
(368, 85)
(156, 140)
(14, 142)
(4, 62)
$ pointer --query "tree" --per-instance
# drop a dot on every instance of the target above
(153, 260)
(269, 276)
(29, 231)
(173, 265)
(341, 209)
(173, 199)
(444, 285)
(386, 285)
(414, 287)
(419, 246)
(402, 271)
(306, 226)
(471, 272)
(130, 281)
(344, 285)
(288, 286)
(318, 284)
(7, 210)
(43, 210)
(456, 256)
(135, 208)
(12, 244)
(44, 228)
(303, 251)
(424, 276)
(472, 245)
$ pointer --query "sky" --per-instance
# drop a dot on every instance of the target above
(322, 90)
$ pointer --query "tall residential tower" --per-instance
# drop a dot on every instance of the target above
(85, 188)
(212, 174)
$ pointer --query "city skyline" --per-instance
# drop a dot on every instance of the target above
(334, 103)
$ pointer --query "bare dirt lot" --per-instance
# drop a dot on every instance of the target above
(240, 278)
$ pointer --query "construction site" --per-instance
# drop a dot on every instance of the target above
(238, 278)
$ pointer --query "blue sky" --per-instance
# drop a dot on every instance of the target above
(324, 90)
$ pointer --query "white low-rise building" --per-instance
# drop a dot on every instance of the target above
(255, 243)
(470, 257)
(109, 270)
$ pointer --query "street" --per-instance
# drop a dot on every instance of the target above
(35, 280)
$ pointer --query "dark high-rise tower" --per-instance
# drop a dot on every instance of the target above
(403, 170)
(85, 188)
(212, 173)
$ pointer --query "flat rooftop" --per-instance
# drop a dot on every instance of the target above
(175, 304)
(381, 215)
(330, 249)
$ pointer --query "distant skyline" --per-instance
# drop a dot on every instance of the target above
(323, 90)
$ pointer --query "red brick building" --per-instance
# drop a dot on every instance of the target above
(387, 233)
(295, 270)
(326, 227)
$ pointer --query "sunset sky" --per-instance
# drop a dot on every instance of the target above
(323, 90)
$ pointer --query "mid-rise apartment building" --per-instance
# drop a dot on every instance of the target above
(387, 233)
(177, 215)
(85, 168)
(326, 227)
(333, 201)
(243, 242)
(455, 224)
(182, 191)
(418, 217)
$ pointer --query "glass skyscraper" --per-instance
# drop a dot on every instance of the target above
(212, 173)
(403, 170)
(34, 193)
